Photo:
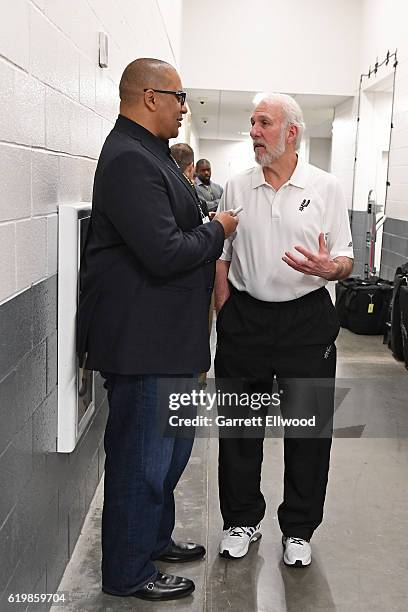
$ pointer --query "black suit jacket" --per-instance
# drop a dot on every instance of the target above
(147, 270)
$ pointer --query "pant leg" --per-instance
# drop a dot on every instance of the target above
(240, 457)
(239, 481)
(307, 458)
(138, 462)
(181, 454)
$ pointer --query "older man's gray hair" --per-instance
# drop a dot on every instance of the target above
(292, 112)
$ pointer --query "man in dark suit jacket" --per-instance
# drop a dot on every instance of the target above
(146, 280)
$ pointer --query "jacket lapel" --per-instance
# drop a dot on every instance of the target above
(174, 169)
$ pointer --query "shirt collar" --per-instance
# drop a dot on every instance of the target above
(298, 178)
(200, 182)
(159, 146)
(299, 175)
(258, 178)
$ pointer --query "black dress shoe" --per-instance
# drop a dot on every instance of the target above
(180, 552)
(163, 588)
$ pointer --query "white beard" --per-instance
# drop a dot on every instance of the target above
(271, 154)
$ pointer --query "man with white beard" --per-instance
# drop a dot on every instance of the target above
(276, 318)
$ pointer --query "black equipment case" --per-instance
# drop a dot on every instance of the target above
(395, 339)
(403, 305)
(362, 304)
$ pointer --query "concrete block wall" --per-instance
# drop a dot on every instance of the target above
(45, 495)
(56, 107)
(395, 247)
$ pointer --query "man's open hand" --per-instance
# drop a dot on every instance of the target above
(314, 264)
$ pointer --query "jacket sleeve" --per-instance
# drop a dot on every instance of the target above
(226, 203)
(137, 203)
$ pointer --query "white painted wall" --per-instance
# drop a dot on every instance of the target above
(397, 197)
(172, 15)
(383, 28)
(320, 153)
(343, 145)
(291, 46)
(374, 135)
(227, 157)
(195, 142)
(56, 107)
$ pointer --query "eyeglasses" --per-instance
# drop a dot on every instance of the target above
(180, 95)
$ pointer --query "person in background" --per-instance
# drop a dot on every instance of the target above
(183, 154)
(276, 317)
(208, 191)
(146, 280)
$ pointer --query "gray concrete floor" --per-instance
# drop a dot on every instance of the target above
(360, 561)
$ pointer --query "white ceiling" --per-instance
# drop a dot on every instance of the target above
(224, 114)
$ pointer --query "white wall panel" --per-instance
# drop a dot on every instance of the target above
(86, 176)
(58, 121)
(320, 153)
(383, 27)
(87, 82)
(29, 110)
(7, 259)
(399, 174)
(44, 193)
(57, 107)
(14, 32)
(53, 58)
(22, 107)
(107, 96)
(343, 145)
(31, 251)
(69, 180)
(7, 118)
(397, 210)
(172, 14)
(52, 244)
(106, 127)
(15, 182)
(40, 3)
(398, 157)
(291, 46)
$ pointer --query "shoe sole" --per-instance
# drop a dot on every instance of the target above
(196, 558)
(297, 563)
(168, 598)
(158, 599)
(227, 555)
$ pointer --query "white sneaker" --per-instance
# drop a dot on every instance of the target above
(236, 540)
(296, 552)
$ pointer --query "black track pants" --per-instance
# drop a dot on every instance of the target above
(294, 341)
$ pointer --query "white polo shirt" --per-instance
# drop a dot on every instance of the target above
(273, 222)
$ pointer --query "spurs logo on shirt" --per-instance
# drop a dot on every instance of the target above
(275, 221)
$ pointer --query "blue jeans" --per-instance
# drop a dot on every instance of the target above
(142, 468)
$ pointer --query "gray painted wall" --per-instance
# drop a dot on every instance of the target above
(394, 247)
(44, 495)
